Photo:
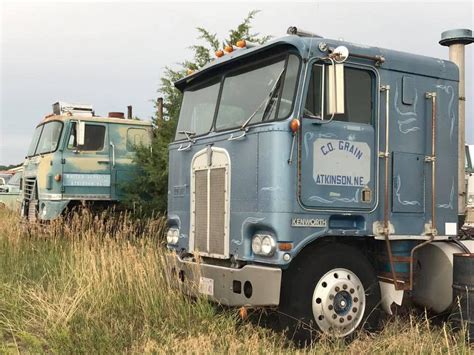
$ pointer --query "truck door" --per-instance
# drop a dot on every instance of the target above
(86, 168)
(339, 154)
(123, 141)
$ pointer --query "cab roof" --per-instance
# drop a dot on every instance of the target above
(126, 121)
(309, 47)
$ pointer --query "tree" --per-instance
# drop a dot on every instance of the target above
(149, 189)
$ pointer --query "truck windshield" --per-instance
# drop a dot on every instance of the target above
(262, 92)
(46, 138)
(34, 141)
(197, 109)
(15, 180)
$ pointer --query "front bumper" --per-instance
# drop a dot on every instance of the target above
(252, 285)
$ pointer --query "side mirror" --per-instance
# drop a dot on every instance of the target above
(335, 89)
(80, 132)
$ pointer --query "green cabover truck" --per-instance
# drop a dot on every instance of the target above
(76, 157)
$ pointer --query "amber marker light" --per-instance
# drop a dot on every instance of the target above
(229, 49)
(294, 125)
(241, 43)
(243, 313)
(57, 177)
(219, 53)
(285, 246)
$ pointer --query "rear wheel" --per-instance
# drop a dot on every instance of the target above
(330, 289)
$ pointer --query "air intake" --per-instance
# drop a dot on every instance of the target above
(116, 115)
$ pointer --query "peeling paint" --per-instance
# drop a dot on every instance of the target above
(448, 89)
(405, 124)
(448, 205)
(354, 199)
(270, 188)
(308, 136)
(404, 202)
(248, 220)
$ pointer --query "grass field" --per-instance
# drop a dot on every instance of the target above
(97, 285)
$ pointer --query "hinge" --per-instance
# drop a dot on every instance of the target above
(384, 155)
(63, 161)
(430, 95)
(384, 87)
(63, 189)
(430, 159)
(379, 60)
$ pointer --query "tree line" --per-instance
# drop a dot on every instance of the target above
(147, 193)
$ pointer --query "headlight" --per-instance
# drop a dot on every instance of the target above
(257, 244)
(172, 236)
(263, 244)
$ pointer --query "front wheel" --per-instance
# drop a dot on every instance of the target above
(330, 289)
(338, 302)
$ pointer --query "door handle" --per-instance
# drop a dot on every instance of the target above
(103, 161)
(113, 153)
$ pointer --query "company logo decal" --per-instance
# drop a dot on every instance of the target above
(96, 180)
(341, 163)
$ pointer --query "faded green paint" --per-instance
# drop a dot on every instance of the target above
(10, 200)
(84, 175)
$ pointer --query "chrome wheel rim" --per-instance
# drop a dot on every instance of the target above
(338, 302)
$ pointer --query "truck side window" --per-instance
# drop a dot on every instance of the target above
(314, 97)
(137, 137)
(358, 95)
(93, 138)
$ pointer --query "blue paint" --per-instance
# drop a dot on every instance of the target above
(271, 192)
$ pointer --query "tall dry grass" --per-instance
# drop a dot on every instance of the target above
(97, 284)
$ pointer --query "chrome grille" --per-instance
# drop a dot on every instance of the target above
(29, 188)
(200, 233)
(209, 232)
(217, 212)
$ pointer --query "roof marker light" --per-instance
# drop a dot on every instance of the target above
(229, 49)
(219, 53)
(241, 43)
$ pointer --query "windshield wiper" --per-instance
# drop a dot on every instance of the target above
(270, 103)
(189, 135)
(264, 102)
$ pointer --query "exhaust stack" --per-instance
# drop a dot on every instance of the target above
(456, 40)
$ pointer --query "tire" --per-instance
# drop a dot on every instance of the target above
(332, 289)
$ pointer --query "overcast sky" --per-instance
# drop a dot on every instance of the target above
(112, 54)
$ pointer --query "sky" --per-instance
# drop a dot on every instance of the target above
(112, 54)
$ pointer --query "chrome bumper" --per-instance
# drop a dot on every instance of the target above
(251, 285)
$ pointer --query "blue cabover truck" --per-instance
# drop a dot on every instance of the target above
(319, 176)
(76, 158)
